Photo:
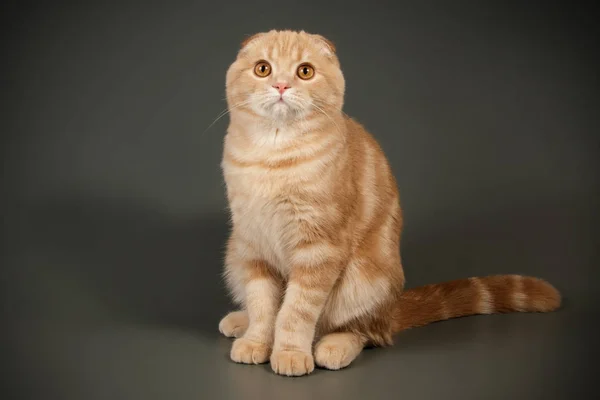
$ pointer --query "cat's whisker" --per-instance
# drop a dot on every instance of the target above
(327, 103)
(328, 116)
(225, 112)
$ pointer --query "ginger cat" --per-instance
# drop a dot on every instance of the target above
(314, 249)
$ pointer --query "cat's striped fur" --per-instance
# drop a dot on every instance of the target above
(316, 223)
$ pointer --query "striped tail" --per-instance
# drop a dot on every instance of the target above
(486, 295)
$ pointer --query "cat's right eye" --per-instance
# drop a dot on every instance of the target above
(262, 69)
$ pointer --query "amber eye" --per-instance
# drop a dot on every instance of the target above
(306, 71)
(262, 69)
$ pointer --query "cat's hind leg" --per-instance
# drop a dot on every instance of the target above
(337, 350)
(234, 324)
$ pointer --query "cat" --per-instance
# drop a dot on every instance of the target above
(314, 249)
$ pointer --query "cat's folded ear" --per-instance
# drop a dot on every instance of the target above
(328, 46)
(249, 39)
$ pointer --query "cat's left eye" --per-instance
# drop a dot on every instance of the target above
(306, 71)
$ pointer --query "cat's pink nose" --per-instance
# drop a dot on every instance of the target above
(281, 86)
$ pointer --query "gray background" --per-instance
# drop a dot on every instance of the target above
(114, 208)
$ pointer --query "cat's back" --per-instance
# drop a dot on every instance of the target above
(369, 164)
(377, 209)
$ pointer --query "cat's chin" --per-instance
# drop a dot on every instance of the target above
(281, 111)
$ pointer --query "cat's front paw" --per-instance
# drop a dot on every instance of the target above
(247, 351)
(292, 363)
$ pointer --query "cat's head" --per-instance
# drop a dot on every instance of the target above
(286, 76)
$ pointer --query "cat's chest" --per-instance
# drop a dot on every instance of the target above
(262, 213)
(269, 193)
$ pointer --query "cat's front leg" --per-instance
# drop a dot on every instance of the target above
(314, 271)
(262, 297)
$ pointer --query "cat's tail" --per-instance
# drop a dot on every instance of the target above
(486, 295)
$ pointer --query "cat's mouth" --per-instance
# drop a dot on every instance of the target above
(281, 101)
(281, 107)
